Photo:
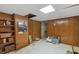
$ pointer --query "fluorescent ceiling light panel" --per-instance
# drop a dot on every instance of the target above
(47, 9)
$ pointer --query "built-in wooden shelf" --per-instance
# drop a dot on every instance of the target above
(7, 28)
(5, 20)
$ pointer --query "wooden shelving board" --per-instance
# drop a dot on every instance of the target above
(5, 20)
(7, 37)
(6, 26)
(6, 31)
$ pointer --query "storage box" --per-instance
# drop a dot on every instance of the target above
(11, 39)
(3, 35)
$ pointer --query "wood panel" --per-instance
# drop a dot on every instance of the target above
(36, 30)
(67, 28)
(62, 28)
(21, 39)
(30, 27)
(50, 28)
(75, 29)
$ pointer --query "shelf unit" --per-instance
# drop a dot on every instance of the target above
(10, 39)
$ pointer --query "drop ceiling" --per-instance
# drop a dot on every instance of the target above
(61, 10)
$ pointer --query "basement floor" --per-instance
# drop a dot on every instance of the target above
(44, 47)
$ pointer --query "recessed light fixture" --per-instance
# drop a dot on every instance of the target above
(47, 9)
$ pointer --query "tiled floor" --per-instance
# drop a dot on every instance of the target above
(43, 47)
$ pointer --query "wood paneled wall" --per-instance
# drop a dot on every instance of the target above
(34, 29)
(21, 39)
(30, 27)
(67, 28)
(50, 28)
